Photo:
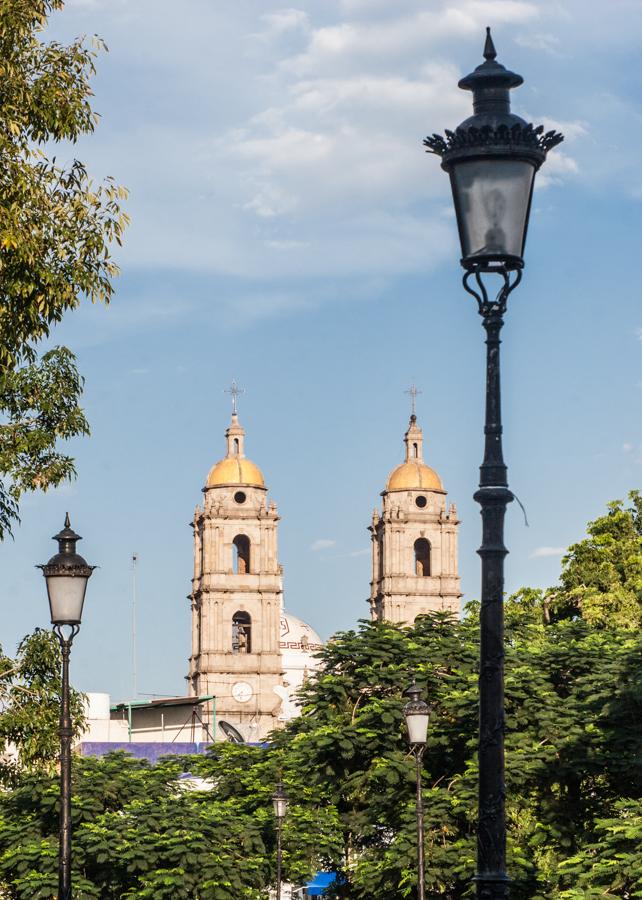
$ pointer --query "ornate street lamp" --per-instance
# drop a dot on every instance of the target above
(280, 804)
(66, 574)
(492, 158)
(417, 715)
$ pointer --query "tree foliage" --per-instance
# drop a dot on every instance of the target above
(30, 687)
(56, 226)
(574, 771)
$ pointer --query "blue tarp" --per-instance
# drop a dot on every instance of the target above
(318, 885)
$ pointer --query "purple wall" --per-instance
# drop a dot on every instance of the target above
(142, 750)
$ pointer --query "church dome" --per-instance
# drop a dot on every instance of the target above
(297, 635)
(298, 644)
(414, 476)
(235, 470)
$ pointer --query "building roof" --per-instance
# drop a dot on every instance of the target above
(162, 702)
(414, 475)
(234, 470)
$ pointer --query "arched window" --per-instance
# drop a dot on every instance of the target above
(236, 446)
(241, 632)
(241, 554)
(415, 450)
(422, 557)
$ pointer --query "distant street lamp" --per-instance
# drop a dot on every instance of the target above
(280, 803)
(66, 574)
(417, 714)
(492, 158)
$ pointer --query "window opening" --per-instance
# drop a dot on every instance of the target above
(241, 554)
(422, 557)
(241, 632)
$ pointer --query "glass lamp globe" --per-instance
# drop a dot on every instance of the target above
(417, 715)
(66, 575)
(492, 158)
(280, 802)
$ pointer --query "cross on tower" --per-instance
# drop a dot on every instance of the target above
(235, 392)
(414, 393)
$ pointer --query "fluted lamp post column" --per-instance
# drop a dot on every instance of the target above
(66, 575)
(492, 158)
(417, 715)
(280, 804)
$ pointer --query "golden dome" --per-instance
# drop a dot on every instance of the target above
(235, 470)
(414, 475)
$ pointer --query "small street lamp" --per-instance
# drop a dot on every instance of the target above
(417, 714)
(280, 804)
(66, 575)
(492, 158)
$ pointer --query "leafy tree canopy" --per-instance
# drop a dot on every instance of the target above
(574, 777)
(601, 577)
(56, 226)
(30, 688)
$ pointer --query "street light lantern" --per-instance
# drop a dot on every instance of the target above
(417, 714)
(66, 574)
(280, 802)
(492, 158)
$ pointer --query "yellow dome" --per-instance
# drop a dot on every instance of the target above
(414, 476)
(235, 470)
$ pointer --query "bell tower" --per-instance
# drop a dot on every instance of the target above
(237, 593)
(414, 540)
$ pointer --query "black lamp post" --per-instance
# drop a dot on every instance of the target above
(492, 158)
(417, 714)
(66, 574)
(280, 803)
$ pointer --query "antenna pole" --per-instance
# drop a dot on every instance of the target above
(134, 668)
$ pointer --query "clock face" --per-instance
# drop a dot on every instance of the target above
(242, 691)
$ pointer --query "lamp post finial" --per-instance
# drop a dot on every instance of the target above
(489, 47)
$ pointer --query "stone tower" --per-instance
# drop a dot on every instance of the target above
(414, 541)
(237, 594)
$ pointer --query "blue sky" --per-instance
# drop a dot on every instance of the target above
(288, 231)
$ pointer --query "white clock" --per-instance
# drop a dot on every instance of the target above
(242, 691)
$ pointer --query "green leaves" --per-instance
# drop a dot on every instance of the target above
(40, 402)
(30, 696)
(573, 766)
(56, 228)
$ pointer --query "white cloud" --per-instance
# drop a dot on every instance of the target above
(540, 552)
(627, 447)
(285, 141)
(365, 552)
(639, 334)
(349, 44)
(549, 43)
(285, 20)
(322, 544)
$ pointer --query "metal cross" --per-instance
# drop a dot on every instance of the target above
(235, 391)
(414, 392)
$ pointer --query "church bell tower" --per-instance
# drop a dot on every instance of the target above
(237, 594)
(414, 541)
